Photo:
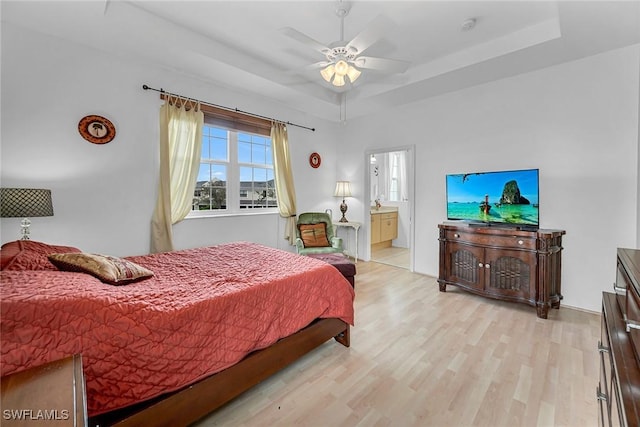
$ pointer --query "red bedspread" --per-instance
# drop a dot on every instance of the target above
(203, 311)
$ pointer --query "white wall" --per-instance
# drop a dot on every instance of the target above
(576, 122)
(104, 195)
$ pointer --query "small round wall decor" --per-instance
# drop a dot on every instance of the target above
(96, 129)
(315, 160)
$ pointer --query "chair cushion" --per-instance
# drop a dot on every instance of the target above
(314, 235)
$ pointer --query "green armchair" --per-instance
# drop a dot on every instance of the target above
(314, 236)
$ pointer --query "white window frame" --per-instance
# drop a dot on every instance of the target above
(233, 179)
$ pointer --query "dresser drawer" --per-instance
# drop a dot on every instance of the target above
(633, 319)
(619, 387)
(512, 242)
(603, 421)
(602, 390)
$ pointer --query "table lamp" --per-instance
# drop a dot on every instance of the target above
(343, 189)
(25, 203)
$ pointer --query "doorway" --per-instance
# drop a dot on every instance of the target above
(390, 189)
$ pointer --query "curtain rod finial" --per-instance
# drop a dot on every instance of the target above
(145, 87)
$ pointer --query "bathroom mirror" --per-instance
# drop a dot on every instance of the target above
(390, 187)
(388, 177)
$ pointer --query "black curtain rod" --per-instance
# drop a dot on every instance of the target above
(145, 87)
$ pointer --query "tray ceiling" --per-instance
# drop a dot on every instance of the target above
(241, 45)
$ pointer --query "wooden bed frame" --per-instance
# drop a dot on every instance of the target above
(190, 404)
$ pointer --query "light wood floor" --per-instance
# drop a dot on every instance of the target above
(419, 357)
(398, 257)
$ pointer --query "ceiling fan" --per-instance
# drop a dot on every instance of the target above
(343, 59)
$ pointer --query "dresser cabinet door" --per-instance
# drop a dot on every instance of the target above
(510, 273)
(465, 265)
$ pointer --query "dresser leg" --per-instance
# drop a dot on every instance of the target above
(543, 310)
(443, 287)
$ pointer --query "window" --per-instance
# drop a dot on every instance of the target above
(394, 173)
(236, 173)
(257, 185)
(236, 165)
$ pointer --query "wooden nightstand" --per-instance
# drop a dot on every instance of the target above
(49, 394)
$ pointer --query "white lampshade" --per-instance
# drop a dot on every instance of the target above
(343, 189)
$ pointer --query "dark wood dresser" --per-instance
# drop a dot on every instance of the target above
(618, 391)
(503, 263)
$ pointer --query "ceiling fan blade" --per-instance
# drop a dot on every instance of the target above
(317, 65)
(371, 34)
(308, 70)
(304, 39)
(381, 64)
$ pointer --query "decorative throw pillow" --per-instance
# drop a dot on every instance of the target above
(109, 269)
(21, 255)
(314, 235)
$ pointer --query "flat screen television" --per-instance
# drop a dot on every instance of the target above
(502, 198)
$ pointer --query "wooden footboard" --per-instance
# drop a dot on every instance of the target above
(194, 402)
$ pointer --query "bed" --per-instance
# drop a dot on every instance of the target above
(174, 335)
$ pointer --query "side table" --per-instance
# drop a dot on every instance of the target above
(355, 226)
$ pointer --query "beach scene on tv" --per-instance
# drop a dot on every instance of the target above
(509, 197)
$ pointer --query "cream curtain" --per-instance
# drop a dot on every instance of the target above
(180, 146)
(285, 190)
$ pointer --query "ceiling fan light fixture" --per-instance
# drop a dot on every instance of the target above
(328, 72)
(342, 68)
(353, 73)
(336, 73)
(338, 80)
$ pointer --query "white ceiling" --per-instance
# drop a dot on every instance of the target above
(240, 45)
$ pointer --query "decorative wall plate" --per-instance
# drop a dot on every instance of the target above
(315, 160)
(96, 129)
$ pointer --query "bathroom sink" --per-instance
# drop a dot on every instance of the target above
(383, 209)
